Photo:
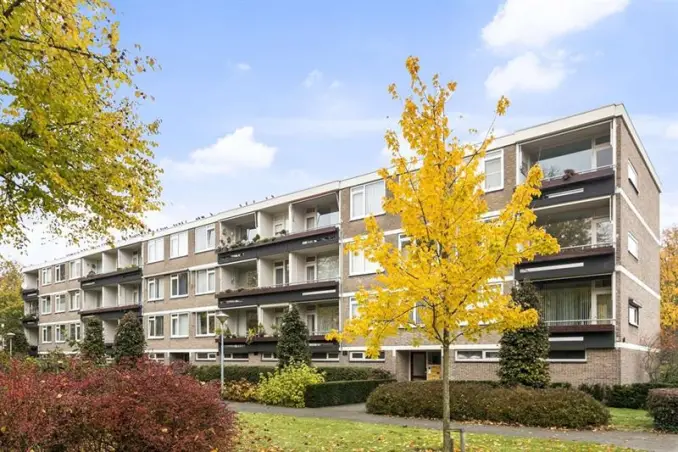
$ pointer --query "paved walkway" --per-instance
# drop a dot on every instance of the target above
(635, 440)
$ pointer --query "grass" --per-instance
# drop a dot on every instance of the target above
(630, 420)
(274, 433)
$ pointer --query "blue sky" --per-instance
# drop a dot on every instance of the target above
(261, 98)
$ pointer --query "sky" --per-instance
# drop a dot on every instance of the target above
(265, 98)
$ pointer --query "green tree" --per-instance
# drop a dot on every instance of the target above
(11, 302)
(524, 352)
(92, 347)
(129, 339)
(74, 154)
(293, 341)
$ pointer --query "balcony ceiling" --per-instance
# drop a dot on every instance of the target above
(567, 137)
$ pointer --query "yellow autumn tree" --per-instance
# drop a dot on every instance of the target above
(454, 248)
(668, 268)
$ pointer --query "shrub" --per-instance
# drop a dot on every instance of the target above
(252, 373)
(355, 373)
(340, 392)
(130, 342)
(92, 347)
(239, 391)
(293, 343)
(287, 386)
(566, 408)
(623, 396)
(86, 407)
(663, 406)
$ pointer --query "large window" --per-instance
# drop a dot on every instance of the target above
(360, 265)
(494, 170)
(155, 289)
(74, 300)
(60, 303)
(45, 305)
(179, 324)
(476, 355)
(633, 245)
(579, 228)
(362, 356)
(581, 303)
(367, 199)
(75, 332)
(205, 238)
(204, 281)
(156, 250)
(578, 156)
(281, 273)
(46, 276)
(156, 326)
(179, 244)
(60, 273)
(179, 285)
(205, 323)
(46, 334)
(76, 269)
(60, 334)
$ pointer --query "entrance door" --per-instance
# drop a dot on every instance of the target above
(418, 366)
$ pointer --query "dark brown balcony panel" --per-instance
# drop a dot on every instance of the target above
(110, 313)
(576, 253)
(577, 187)
(311, 291)
(278, 245)
(30, 295)
(581, 337)
(568, 264)
(120, 276)
(30, 320)
(268, 344)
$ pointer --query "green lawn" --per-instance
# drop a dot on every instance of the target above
(274, 433)
(630, 420)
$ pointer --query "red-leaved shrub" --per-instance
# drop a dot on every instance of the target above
(146, 407)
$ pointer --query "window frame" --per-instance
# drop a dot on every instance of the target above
(497, 154)
(272, 356)
(158, 284)
(353, 301)
(213, 358)
(158, 248)
(46, 281)
(188, 325)
(43, 330)
(209, 314)
(204, 231)
(635, 250)
(182, 245)
(62, 274)
(60, 333)
(351, 358)
(483, 355)
(207, 279)
(632, 175)
(156, 356)
(154, 329)
(70, 300)
(60, 296)
(49, 301)
(176, 276)
(326, 358)
(72, 274)
(230, 356)
(570, 360)
(77, 326)
(366, 262)
(363, 188)
(634, 307)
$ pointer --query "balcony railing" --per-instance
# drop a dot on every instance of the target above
(579, 322)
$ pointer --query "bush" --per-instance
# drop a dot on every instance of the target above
(293, 343)
(663, 406)
(623, 396)
(85, 407)
(129, 342)
(355, 373)
(340, 392)
(239, 391)
(565, 408)
(252, 373)
(287, 386)
(92, 347)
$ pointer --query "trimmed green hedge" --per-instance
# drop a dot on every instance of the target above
(340, 392)
(251, 373)
(622, 396)
(556, 407)
(663, 406)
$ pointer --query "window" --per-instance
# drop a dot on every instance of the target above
(205, 322)
(155, 289)
(476, 355)
(633, 246)
(46, 276)
(204, 281)
(236, 356)
(59, 334)
(156, 326)
(281, 273)
(362, 356)
(269, 357)
(353, 308)
(359, 265)
(60, 303)
(179, 325)
(205, 356)
(60, 273)
(279, 224)
(157, 357)
(311, 219)
(135, 258)
(76, 269)
(179, 285)
(325, 356)
(179, 244)
(75, 332)
(367, 199)
(311, 269)
(46, 334)
(156, 250)
(45, 305)
(204, 238)
(494, 170)
(634, 313)
(567, 356)
(74, 300)
(633, 175)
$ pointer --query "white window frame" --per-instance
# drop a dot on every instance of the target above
(204, 232)
(633, 175)
(229, 356)
(363, 189)
(632, 246)
(176, 316)
(284, 265)
(311, 264)
(353, 357)
(57, 297)
(158, 247)
(207, 356)
(60, 333)
(43, 330)
(489, 156)
(49, 302)
(156, 357)
(483, 359)
(174, 277)
(158, 284)
(326, 358)
(269, 356)
(573, 360)
(46, 276)
(77, 328)
(180, 239)
(207, 273)
(634, 308)
(71, 298)
(75, 274)
(57, 271)
(213, 316)
(368, 267)
(153, 329)
(353, 301)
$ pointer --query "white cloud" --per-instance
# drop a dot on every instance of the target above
(535, 23)
(405, 149)
(336, 84)
(244, 67)
(526, 72)
(233, 152)
(312, 78)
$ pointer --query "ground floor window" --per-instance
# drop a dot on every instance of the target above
(566, 356)
(205, 356)
(476, 355)
(157, 357)
(362, 356)
(325, 356)
(236, 356)
(269, 357)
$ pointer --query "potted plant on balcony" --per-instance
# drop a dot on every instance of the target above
(261, 331)
(275, 330)
(569, 173)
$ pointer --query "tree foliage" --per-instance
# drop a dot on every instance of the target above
(11, 303)
(74, 155)
(92, 347)
(453, 253)
(130, 341)
(668, 268)
(293, 342)
(524, 352)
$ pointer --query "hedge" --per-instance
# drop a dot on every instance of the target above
(663, 406)
(553, 407)
(251, 373)
(622, 396)
(340, 392)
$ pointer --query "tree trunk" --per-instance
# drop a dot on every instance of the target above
(447, 439)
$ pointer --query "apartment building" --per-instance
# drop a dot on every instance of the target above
(600, 198)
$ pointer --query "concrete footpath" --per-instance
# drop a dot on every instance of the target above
(635, 440)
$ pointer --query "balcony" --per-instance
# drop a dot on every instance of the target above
(127, 275)
(30, 319)
(280, 293)
(30, 295)
(268, 344)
